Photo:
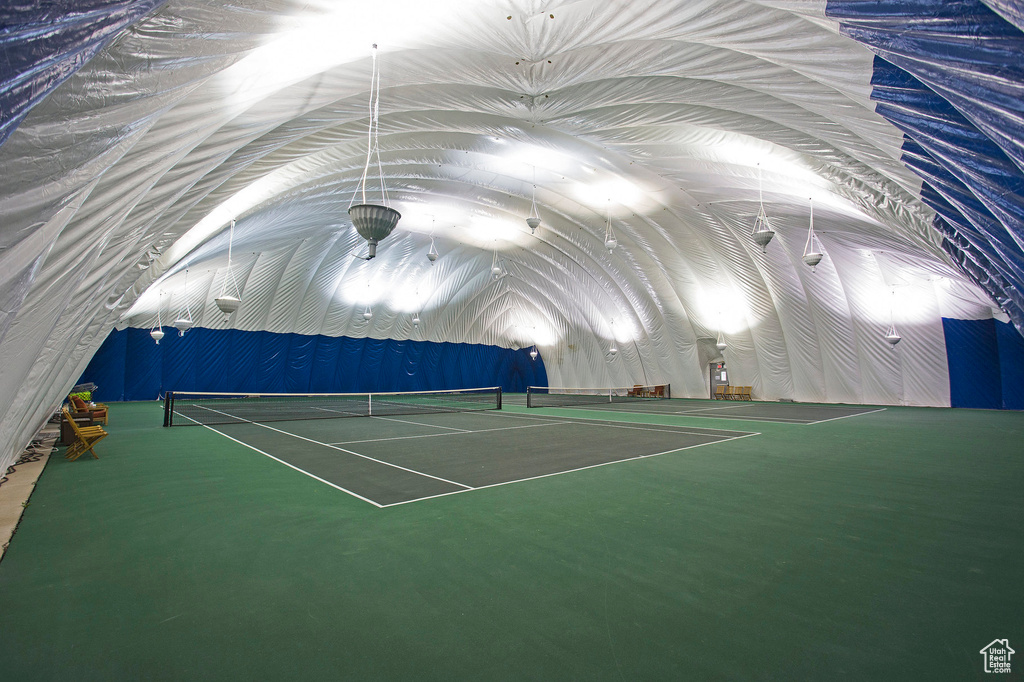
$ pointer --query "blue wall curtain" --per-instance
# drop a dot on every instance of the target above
(986, 364)
(130, 366)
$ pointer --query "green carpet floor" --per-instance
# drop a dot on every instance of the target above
(883, 547)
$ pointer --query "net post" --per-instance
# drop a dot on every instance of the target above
(499, 397)
(369, 404)
(168, 403)
(529, 396)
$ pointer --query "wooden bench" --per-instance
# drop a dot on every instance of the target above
(86, 438)
(742, 393)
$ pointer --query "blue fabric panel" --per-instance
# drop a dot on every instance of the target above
(299, 368)
(179, 365)
(106, 369)
(273, 363)
(43, 43)
(212, 351)
(325, 364)
(143, 364)
(1011, 365)
(243, 361)
(949, 74)
(973, 356)
(130, 366)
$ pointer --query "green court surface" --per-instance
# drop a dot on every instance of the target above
(883, 546)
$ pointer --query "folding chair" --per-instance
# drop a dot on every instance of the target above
(86, 438)
(744, 392)
(730, 393)
(720, 392)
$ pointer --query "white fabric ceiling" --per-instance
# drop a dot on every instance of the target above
(658, 114)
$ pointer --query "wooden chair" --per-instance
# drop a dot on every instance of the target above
(635, 392)
(86, 438)
(720, 392)
(730, 393)
(742, 392)
(659, 392)
(97, 413)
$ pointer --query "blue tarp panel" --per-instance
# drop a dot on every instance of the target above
(986, 364)
(973, 357)
(1011, 365)
(950, 76)
(129, 366)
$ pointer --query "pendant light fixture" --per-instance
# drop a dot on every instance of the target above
(158, 331)
(763, 231)
(368, 314)
(432, 253)
(229, 300)
(373, 222)
(812, 255)
(891, 335)
(416, 321)
(610, 242)
(533, 353)
(533, 220)
(184, 321)
(721, 345)
(495, 265)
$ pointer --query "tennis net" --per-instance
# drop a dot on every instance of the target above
(183, 408)
(544, 396)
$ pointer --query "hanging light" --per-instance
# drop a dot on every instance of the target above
(721, 345)
(811, 255)
(613, 350)
(184, 321)
(158, 330)
(533, 220)
(367, 314)
(228, 302)
(610, 242)
(495, 266)
(416, 321)
(432, 253)
(891, 335)
(373, 222)
(533, 353)
(763, 231)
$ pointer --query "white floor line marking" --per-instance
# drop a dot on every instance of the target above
(775, 420)
(567, 471)
(846, 416)
(291, 466)
(405, 421)
(351, 452)
(436, 435)
(614, 421)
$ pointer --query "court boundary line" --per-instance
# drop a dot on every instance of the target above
(616, 421)
(459, 433)
(847, 416)
(567, 471)
(378, 505)
(406, 421)
(778, 420)
(469, 488)
(335, 447)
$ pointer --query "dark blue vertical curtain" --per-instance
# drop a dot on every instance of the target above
(986, 364)
(130, 366)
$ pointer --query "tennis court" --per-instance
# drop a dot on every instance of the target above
(617, 400)
(395, 460)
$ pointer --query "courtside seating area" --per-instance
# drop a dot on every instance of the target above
(733, 392)
(86, 438)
